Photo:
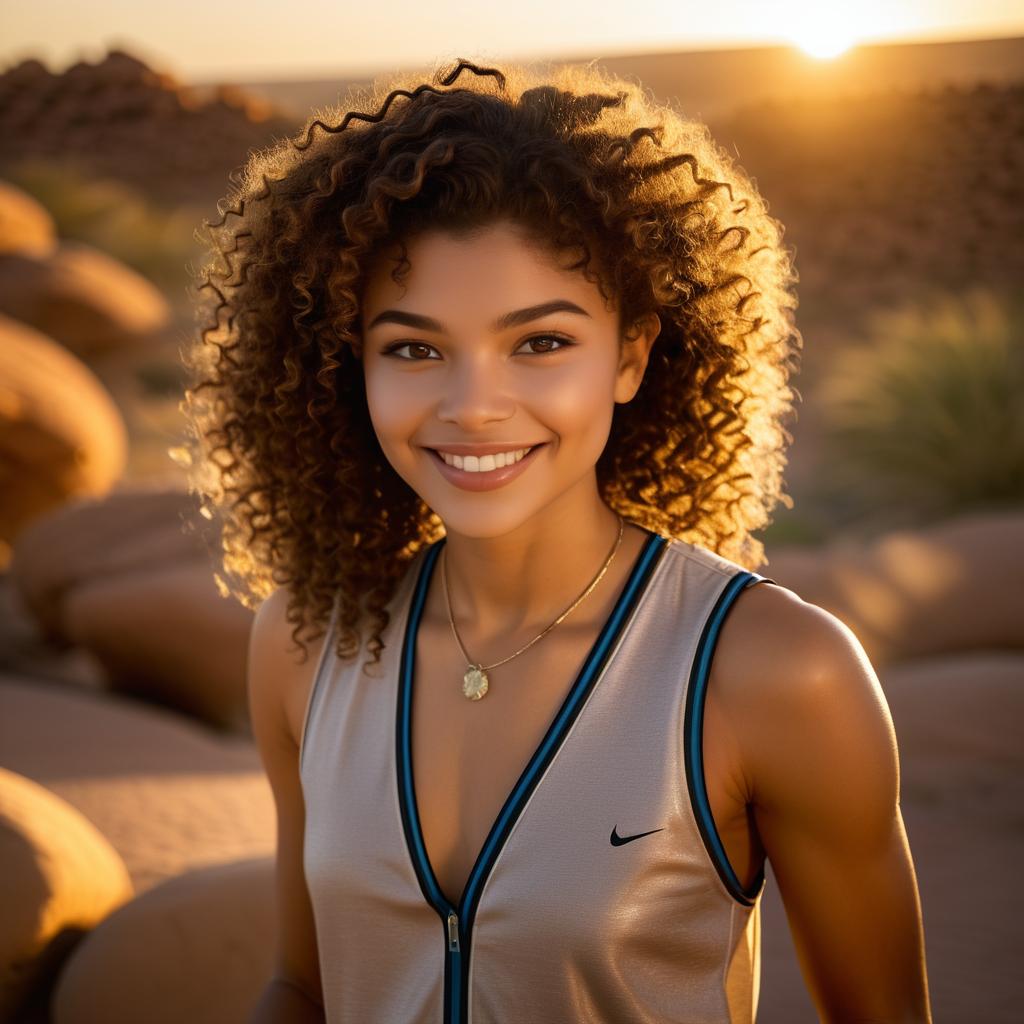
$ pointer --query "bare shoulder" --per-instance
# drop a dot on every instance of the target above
(774, 648)
(798, 690)
(279, 676)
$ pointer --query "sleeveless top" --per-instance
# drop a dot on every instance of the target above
(602, 892)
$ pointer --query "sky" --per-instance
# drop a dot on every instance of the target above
(201, 41)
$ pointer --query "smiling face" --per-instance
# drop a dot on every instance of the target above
(489, 345)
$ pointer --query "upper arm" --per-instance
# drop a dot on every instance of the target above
(274, 666)
(820, 756)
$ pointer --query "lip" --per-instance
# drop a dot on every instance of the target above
(483, 481)
(479, 448)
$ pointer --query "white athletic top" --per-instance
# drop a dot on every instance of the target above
(602, 892)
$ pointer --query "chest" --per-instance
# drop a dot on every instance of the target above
(547, 825)
(467, 756)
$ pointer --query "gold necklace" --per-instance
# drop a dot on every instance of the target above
(475, 682)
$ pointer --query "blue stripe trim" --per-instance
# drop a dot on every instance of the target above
(566, 715)
(693, 738)
(410, 816)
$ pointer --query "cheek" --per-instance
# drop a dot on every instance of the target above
(393, 402)
(578, 408)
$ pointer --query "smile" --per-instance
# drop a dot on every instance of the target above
(483, 463)
(483, 472)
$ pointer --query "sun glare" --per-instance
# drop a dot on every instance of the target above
(821, 31)
(823, 45)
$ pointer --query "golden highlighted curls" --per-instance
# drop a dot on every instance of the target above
(284, 453)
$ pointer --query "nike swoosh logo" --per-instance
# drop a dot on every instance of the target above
(618, 840)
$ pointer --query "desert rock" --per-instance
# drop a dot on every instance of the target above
(950, 587)
(25, 226)
(60, 433)
(168, 793)
(195, 948)
(60, 877)
(127, 579)
(81, 297)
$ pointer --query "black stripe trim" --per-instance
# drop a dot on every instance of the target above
(693, 740)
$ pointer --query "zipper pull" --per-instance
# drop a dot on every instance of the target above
(453, 930)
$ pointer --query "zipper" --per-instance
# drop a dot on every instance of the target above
(454, 973)
(458, 934)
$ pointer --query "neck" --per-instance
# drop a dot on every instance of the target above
(523, 580)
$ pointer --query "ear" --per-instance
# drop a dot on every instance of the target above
(636, 349)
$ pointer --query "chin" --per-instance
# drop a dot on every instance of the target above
(480, 523)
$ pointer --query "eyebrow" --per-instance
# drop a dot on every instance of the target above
(513, 319)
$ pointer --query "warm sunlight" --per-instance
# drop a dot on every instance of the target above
(824, 32)
(824, 46)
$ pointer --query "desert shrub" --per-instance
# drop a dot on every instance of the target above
(924, 417)
(155, 240)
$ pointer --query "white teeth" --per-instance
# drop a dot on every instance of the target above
(484, 463)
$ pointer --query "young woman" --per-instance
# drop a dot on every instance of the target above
(498, 395)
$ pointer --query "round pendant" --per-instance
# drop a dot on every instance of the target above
(474, 682)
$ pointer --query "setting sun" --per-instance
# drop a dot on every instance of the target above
(824, 45)
(822, 33)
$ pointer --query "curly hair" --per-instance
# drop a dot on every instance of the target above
(282, 450)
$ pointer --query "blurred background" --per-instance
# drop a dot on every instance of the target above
(136, 828)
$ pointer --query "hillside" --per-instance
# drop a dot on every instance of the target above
(120, 119)
(909, 182)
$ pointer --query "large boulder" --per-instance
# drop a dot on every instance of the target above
(169, 794)
(954, 586)
(26, 226)
(169, 798)
(59, 877)
(130, 578)
(61, 435)
(127, 530)
(88, 301)
(196, 948)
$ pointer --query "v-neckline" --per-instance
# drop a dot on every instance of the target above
(588, 676)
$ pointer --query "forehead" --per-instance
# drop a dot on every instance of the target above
(491, 269)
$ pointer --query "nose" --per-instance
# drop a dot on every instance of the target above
(475, 392)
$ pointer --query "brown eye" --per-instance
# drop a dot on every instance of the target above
(392, 349)
(562, 342)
